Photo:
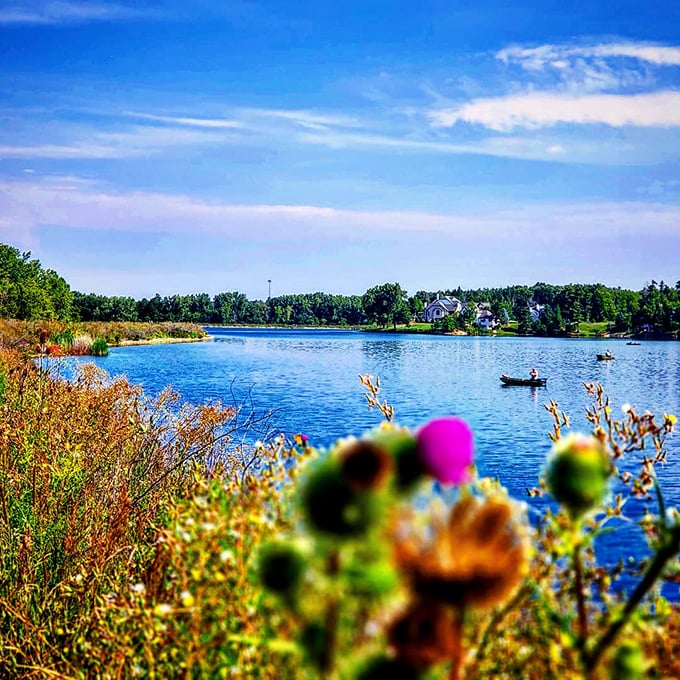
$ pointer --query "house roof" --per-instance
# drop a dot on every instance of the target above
(450, 304)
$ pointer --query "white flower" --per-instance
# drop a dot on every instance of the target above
(138, 588)
(227, 556)
(626, 407)
(162, 609)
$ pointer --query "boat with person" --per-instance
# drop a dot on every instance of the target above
(633, 343)
(607, 356)
(530, 382)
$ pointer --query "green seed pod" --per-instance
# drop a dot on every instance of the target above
(577, 472)
(332, 506)
(403, 447)
(629, 663)
(281, 567)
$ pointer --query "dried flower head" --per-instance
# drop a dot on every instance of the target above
(476, 558)
(364, 464)
(425, 635)
(402, 447)
(445, 447)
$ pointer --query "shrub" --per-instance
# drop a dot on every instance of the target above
(99, 347)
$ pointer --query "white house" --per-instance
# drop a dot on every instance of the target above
(536, 310)
(441, 307)
(485, 320)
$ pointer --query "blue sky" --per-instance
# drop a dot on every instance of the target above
(208, 146)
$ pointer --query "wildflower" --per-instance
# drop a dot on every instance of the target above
(138, 588)
(364, 465)
(301, 440)
(188, 600)
(425, 635)
(577, 472)
(162, 609)
(476, 558)
(445, 447)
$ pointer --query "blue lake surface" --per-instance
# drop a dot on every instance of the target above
(309, 378)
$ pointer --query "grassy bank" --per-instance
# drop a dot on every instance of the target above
(123, 529)
(58, 338)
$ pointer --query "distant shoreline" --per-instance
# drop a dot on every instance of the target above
(157, 341)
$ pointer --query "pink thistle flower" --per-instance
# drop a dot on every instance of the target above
(445, 448)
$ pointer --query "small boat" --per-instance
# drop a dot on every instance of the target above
(633, 343)
(605, 357)
(531, 382)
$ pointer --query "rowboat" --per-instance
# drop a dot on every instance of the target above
(531, 382)
(632, 343)
(605, 357)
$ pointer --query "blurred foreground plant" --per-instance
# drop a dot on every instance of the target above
(384, 578)
(135, 534)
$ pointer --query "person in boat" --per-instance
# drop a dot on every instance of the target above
(533, 374)
(608, 353)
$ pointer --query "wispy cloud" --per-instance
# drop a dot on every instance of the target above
(132, 142)
(210, 123)
(537, 58)
(541, 109)
(313, 120)
(612, 67)
(56, 12)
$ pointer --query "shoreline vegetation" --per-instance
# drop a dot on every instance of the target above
(140, 537)
(53, 338)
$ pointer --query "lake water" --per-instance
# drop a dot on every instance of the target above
(310, 381)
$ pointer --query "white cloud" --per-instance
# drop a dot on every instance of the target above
(135, 142)
(304, 118)
(542, 109)
(210, 123)
(56, 12)
(27, 206)
(537, 58)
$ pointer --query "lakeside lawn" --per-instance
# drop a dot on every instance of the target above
(511, 329)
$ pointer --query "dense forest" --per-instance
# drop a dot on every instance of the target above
(30, 292)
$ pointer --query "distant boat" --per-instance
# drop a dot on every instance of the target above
(633, 343)
(531, 382)
(605, 357)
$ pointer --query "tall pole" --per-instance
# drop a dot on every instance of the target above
(269, 301)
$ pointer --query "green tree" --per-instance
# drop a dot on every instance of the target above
(386, 304)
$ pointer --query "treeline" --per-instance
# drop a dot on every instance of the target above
(29, 292)
(308, 309)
